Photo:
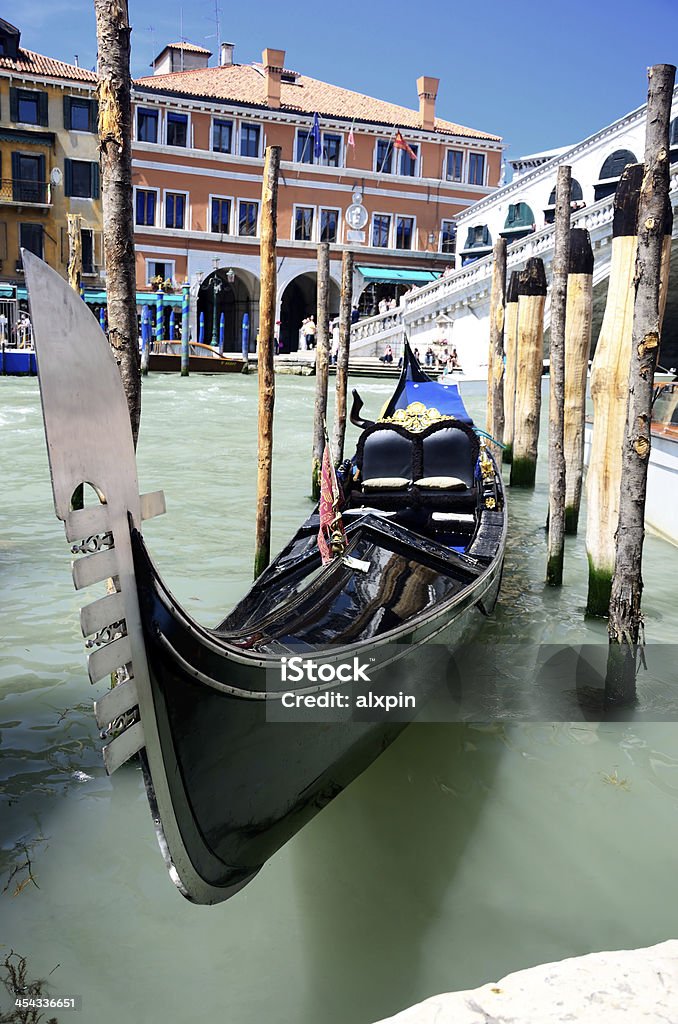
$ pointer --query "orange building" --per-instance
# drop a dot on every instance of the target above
(200, 137)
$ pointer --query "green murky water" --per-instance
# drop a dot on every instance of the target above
(465, 852)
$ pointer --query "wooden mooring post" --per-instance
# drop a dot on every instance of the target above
(561, 260)
(266, 375)
(339, 432)
(510, 346)
(609, 392)
(578, 318)
(115, 145)
(495, 371)
(322, 354)
(529, 369)
(625, 621)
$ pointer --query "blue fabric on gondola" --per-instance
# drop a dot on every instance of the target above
(443, 397)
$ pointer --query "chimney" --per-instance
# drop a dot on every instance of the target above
(273, 61)
(427, 88)
(226, 54)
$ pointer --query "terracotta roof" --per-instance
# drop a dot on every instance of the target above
(189, 47)
(245, 84)
(35, 64)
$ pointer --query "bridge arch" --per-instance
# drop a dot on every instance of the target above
(611, 171)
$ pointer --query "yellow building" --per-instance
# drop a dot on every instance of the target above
(49, 163)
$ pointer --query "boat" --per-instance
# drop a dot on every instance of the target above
(412, 564)
(17, 362)
(165, 357)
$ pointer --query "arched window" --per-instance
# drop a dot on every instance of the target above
(611, 171)
(673, 140)
(520, 221)
(576, 201)
(478, 237)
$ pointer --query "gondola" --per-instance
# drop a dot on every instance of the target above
(413, 554)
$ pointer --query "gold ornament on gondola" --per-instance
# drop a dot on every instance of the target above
(416, 417)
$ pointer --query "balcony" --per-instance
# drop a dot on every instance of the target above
(25, 192)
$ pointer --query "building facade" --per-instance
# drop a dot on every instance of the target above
(383, 180)
(49, 165)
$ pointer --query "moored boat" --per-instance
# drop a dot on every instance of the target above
(165, 357)
(406, 548)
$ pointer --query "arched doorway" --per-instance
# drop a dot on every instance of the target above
(234, 298)
(299, 301)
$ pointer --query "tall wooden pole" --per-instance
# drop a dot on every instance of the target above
(115, 144)
(624, 625)
(609, 392)
(529, 369)
(510, 345)
(266, 377)
(74, 222)
(578, 318)
(561, 260)
(342, 356)
(495, 369)
(321, 365)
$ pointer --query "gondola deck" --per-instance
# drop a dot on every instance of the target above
(227, 779)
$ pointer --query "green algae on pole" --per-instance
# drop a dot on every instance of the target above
(495, 370)
(625, 621)
(529, 368)
(510, 342)
(322, 354)
(578, 319)
(561, 260)
(266, 376)
(609, 392)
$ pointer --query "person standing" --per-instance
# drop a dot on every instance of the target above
(310, 333)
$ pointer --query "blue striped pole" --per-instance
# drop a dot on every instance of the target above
(171, 326)
(102, 318)
(185, 309)
(245, 337)
(222, 328)
(159, 318)
(201, 329)
(145, 338)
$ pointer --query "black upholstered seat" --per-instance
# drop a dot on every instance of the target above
(387, 455)
(450, 452)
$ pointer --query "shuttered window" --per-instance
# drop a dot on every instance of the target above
(27, 106)
(80, 114)
(81, 179)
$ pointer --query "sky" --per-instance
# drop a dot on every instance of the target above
(539, 75)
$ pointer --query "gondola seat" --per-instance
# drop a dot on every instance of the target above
(449, 455)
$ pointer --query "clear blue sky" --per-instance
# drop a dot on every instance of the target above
(539, 75)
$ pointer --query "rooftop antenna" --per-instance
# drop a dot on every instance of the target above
(181, 35)
(151, 29)
(217, 23)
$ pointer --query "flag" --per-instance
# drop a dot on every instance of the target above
(315, 135)
(351, 138)
(399, 143)
(331, 535)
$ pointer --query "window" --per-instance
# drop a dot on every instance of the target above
(381, 228)
(249, 140)
(222, 135)
(175, 210)
(81, 179)
(30, 237)
(384, 156)
(615, 164)
(476, 168)
(147, 125)
(329, 225)
(448, 237)
(177, 129)
(408, 166)
(331, 150)
(404, 232)
(28, 106)
(455, 165)
(145, 206)
(28, 178)
(221, 216)
(304, 147)
(303, 223)
(87, 247)
(80, 114)
(157, 268)
(247, 219)
(478, 237)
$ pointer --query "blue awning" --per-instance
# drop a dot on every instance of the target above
(391, 275)
(6, 291)
(151, 299)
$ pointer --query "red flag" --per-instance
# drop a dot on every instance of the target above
(351, 138)
(399, 143)
(331, 535)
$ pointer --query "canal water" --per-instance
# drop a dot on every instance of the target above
(465, 852)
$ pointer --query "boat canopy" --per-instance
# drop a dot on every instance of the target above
(416, 386)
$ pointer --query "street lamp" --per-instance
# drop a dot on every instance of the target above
(216, 288)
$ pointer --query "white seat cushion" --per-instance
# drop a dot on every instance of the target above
(452, 517)
(443, 483)
(386, 483)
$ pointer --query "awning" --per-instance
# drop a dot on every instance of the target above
(6, 291)
(98, 298)
(391, 275)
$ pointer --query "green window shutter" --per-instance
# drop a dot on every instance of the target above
(94, 178)
(42, 109)
(16, 186)
(68, 177)
(67, 112)
(93, 115)
(13, 105)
